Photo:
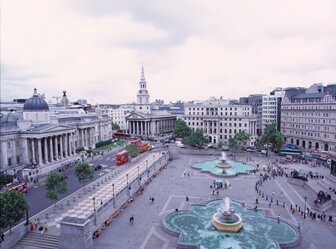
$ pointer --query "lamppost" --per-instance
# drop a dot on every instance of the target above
(138, 172)
(113, 195)
(127, 178)
(27, 217)
(94, 203)
(304, 211)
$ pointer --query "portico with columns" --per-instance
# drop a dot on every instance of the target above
(141, 124)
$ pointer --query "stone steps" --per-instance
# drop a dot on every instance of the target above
(37, 240)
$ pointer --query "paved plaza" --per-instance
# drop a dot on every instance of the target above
(171, 187)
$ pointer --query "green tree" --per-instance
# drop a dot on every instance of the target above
(55, 185)
(271, 136)
(233, 143)
(84, 172)
(182, 129)
(115, 126)
(132, 150)
(196, 139)
(13, 206)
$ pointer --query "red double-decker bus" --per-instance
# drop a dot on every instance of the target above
(22, 187)
(122, 157)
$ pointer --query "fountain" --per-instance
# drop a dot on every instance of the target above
(223, 161)
(225, 218)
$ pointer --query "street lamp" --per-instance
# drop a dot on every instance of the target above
(127, 178)
(304, 212)
(94, 203)
(113, 189)
(138, 172)
(27, 216)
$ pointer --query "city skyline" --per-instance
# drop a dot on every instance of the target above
(190, 50)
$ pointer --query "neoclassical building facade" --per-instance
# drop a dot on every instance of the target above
(35, 141)
(221, 120)
(147, 122)
(308, 120)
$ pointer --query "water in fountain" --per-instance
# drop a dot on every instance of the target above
(224, 157)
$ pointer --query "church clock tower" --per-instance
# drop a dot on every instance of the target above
(143, 104)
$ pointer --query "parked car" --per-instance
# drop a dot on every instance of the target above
(98, 167)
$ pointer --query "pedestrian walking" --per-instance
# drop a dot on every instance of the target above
(41, 230)
(278, 219)
(2, 237)
(187, 198)
(45, 227)
(299, 227)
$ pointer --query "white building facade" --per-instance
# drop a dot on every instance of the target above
(221, 120)
(309, 120)
(271, 108)
(36, 141)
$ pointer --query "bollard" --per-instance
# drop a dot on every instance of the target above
(47, 215)
(79, 195)
(105, 179)
(68, 202)
(74, 199)
(102, 181)
(97, 184)
(94, 186)
(61, 207)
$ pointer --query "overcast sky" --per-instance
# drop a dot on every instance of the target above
(190, 49)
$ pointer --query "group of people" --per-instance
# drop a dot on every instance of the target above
(43, 228)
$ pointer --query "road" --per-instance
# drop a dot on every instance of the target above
(36, 195)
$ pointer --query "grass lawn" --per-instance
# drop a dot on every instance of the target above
(105, 147)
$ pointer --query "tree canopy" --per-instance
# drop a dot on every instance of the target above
(13, 206)
(182, 129)
(271, 137)
(115, 126)
(132, 150)
(196, 139)
(239, 139)
(55, 185)
(84, 172)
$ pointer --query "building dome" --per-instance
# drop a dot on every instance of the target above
(35, 103)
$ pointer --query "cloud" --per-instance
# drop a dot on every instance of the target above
(190, 49)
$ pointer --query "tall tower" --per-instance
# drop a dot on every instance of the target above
(143, 104)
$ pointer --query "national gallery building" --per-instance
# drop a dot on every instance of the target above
(37, 140)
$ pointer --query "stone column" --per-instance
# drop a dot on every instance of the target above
(40, 162)
(61, 146)
(14, 152)
(4, 157)
(133, 127)
(73, 143)
(66, 141)
(45, 151)
(81, 134)
(137, 129)
(146, 132)
(25, 150)
(51, 149)
(56, 148)
(33, 150)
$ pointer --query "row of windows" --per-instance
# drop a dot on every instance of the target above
(220, 124)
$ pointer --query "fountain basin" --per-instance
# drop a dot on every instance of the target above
(223, 165)
(231, 223)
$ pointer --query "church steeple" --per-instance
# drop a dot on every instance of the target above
(143, 95)
(142, 78)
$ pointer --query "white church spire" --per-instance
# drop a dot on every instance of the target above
(143, 95)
